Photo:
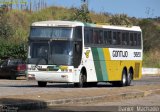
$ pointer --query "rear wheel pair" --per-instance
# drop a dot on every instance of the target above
(125, 80)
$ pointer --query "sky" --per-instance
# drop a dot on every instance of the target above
(133, 8)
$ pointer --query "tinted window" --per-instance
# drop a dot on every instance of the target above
(50, 32)
(78, 33)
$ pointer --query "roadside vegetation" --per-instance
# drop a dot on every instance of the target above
(14, 29)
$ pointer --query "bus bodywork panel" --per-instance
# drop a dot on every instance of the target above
(51, 73)
(109, 63)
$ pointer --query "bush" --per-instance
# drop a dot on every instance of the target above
(8, 49)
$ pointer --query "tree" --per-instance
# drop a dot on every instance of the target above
(82, 14)
(120, 19)
(6, 30)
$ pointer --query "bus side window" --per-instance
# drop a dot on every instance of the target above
(114, 39)
(105, 37)
(135, 39)
(78, 33)
(90, 36)
(124, 40)
(139, 40)
(131, 42)
(95, 37)
(109, 39)
(100, 37)
(118, 38)
(86, 36)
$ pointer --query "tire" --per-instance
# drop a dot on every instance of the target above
(129, 79)
(13, 77)
(123, 81)
(42, 84)
(82, 81)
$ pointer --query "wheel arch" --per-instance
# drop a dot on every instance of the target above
(84, 71)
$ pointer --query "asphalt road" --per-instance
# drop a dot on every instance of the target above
(10, 87)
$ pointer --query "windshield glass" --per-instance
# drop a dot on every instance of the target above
(54, 52)
(61, 52)
(50, 32)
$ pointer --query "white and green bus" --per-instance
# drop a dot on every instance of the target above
(84, 53)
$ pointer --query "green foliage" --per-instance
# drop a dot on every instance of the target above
(151, 34)
(151, 59)
(6, 29)
(8, 49)
(82, 14)
(120, 19)
(14, 28)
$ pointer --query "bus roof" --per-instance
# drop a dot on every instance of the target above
(77, 23)
(58, 23)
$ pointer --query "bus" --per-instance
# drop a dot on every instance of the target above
(84, 53)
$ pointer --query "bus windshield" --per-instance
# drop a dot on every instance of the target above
(54, 52)
(50, 32)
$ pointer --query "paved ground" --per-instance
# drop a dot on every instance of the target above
(10, 87)
(22, 91)
(133, 105)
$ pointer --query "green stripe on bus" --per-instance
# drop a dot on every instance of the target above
(103, 64)
(97, 64)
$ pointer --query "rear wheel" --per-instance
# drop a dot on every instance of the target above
(42, 84)
(129, 78)
(123, 81)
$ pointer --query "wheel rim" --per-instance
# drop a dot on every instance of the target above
(124, 79)
(129, 78)
(82, 80)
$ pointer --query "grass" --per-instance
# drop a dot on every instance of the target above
(152, 59)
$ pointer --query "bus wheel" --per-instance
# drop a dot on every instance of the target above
(42, 84)
(82, 81)
(129, 79)
(123, 81)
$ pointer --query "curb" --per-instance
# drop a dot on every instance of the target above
(45, 104)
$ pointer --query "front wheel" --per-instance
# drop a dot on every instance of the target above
(82, 81)
(42, 84)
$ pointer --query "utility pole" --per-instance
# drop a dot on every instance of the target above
(84, 5)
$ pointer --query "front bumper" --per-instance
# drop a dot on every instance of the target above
(50, 76)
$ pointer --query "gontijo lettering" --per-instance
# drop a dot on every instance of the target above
(118, 53)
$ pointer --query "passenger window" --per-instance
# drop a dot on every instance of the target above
(95, 37)
(78, 32)
(135, 39)
(107, 37)
(114, 40)
(131, 42)
(139, 40)
(118, 38)
(100, 37)
(86, 36)
(125, 38)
